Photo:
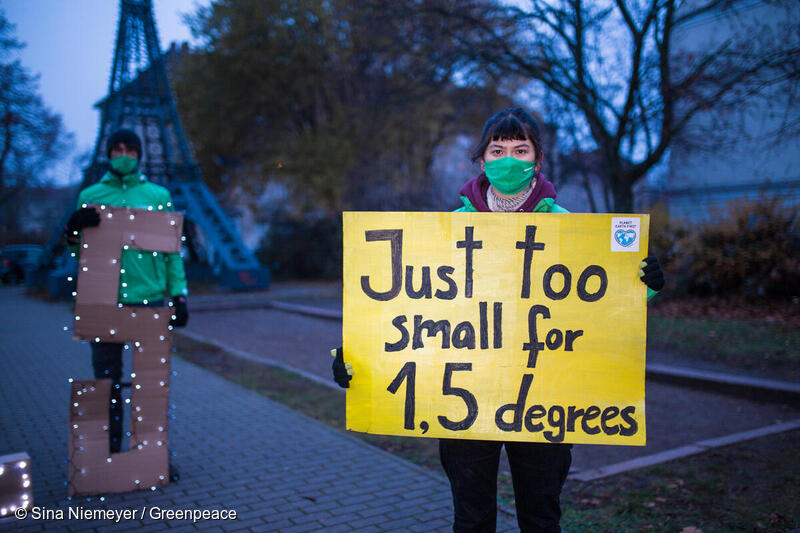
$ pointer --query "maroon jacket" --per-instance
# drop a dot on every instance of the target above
(475, 191)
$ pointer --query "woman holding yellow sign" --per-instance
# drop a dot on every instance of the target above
(510, 156)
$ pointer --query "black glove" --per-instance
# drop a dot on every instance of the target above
(341, 373)
(651, 274)
(180, 313)
(86, 217)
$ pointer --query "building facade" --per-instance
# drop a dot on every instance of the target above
(747, 149)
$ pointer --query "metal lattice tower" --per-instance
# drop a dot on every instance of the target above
(139, 98)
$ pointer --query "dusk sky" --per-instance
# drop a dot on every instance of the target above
(70, 44)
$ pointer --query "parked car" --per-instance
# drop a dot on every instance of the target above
(15, 259)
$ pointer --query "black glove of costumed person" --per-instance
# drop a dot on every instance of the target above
(651, 273)
(86, 217)
(342, 372)
(180, 312)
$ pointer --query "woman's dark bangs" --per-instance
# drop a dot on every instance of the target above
(509, 129)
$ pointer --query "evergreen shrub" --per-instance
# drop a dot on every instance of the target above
(749, 248)
(303, 247)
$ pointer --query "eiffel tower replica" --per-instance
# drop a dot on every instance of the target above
(139, 98)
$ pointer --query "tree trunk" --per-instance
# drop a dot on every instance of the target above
(623, 195)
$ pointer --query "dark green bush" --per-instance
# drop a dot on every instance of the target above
(747, 249)
(298, 247)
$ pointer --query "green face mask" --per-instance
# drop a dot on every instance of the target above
(509, 175)
(124, 165)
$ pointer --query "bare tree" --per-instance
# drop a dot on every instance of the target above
(615, 70)
(31, 136)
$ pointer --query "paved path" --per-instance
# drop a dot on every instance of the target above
(325, 299)
(277, 469)
(678, 418)
(235, 449)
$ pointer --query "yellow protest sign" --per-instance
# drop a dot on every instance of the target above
(496, 326)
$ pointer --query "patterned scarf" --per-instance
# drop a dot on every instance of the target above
(507, 205)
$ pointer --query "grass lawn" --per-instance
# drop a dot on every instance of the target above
(770, 346)
(750, 486)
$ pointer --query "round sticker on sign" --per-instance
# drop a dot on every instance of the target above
(625, 234)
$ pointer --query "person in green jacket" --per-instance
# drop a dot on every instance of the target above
(145, 279)
(510, 156)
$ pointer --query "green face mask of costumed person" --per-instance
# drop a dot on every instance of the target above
(509, 175)
(123, 164)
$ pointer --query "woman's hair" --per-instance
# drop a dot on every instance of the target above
(512, 124)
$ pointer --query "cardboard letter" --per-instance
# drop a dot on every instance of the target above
(98, 317)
